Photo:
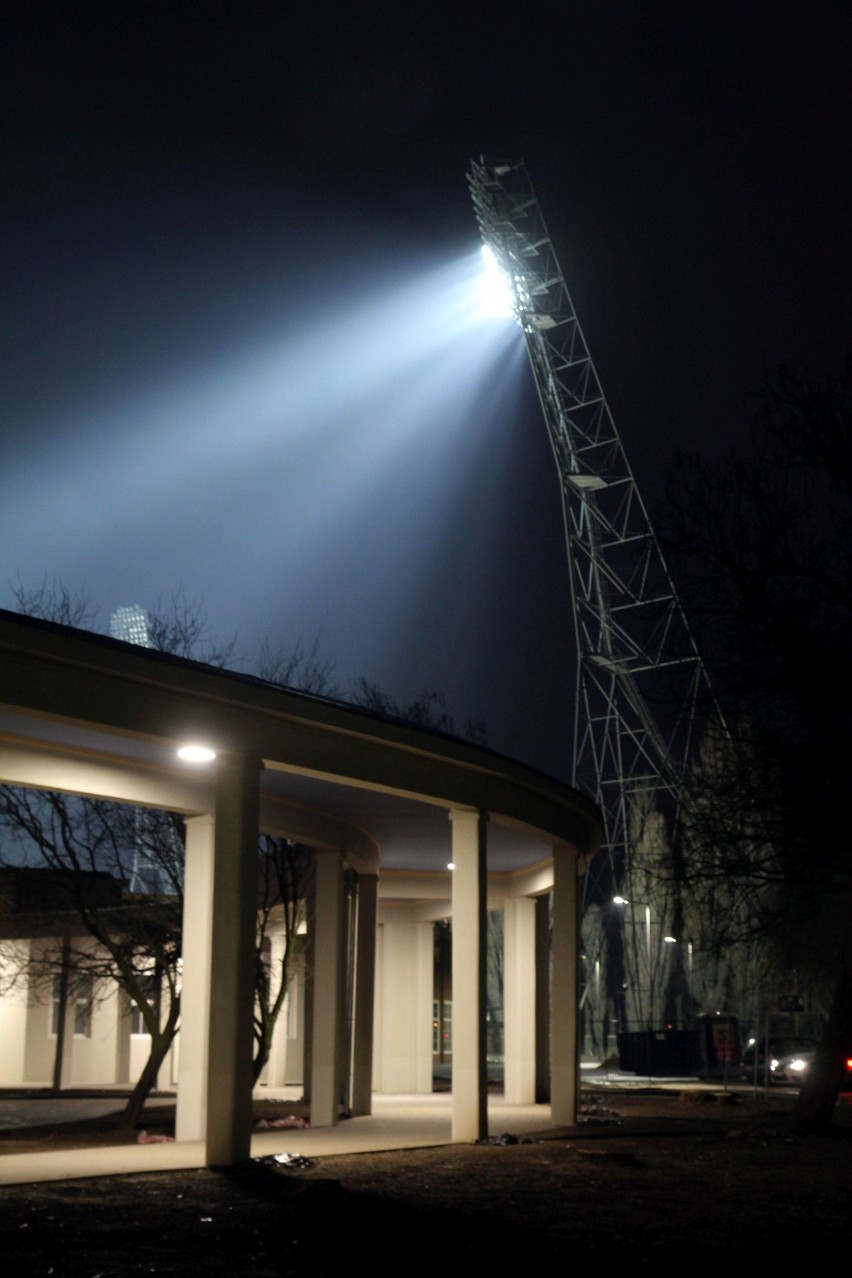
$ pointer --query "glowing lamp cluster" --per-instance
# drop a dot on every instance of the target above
(497, 296)
(196, 754)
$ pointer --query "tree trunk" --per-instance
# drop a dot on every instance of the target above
(261, 1057)
(136, 1101)
(814, 1108)
(62, 1023)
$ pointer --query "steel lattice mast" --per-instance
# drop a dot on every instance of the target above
(639, 673)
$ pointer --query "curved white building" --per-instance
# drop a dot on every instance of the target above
(387, 806)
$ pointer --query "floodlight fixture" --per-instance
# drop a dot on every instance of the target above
(498, 298)
(639, 678)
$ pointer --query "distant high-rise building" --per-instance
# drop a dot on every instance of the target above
(130, 625)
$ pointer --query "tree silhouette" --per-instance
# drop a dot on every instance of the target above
(760, 546)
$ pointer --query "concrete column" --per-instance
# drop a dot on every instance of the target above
(470, 1074)
(365, 985)
(191, 1111)
(519, 979)
(14, 1012)
(308, 993)
(327, 991)
(231, 999)
(404, 998)
(542, 999)
(564, 1097)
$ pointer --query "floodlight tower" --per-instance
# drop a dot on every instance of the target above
(639, 674)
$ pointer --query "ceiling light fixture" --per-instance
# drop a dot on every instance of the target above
(196, 754)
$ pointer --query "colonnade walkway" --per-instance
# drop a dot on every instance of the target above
(397, 1122)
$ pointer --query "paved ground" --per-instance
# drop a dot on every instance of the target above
(656, 1176)
(52, 1149)
(23, 1109)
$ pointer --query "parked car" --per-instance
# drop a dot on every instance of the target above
(789, 1061)
(792, 1067)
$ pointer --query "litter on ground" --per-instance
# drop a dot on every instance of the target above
(283, 1160)
(292, 1120)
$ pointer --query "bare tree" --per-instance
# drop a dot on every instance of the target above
(761, 548)
(426, 710)
(91, 850)
(594, 1003)
(648, 912)
(302, 667)
(55, 602)
(729, 876)
(286, 876)
(181, 628)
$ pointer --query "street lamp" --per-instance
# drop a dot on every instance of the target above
(673, 940)
(623, 900)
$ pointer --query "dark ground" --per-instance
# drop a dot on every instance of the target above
(644, 1177)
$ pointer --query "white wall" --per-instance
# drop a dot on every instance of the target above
(13, 1017)
(28, 1043)
(403, 1015)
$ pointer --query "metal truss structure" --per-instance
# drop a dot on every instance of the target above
(639, 674)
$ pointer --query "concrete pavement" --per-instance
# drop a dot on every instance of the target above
(397, 1122)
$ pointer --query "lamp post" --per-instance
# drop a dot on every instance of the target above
(623, 900)
(686, 1014)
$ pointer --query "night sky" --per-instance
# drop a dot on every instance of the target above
(241, 358)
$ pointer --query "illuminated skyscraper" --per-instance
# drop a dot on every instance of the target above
(130, 625)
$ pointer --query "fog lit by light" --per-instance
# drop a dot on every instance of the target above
(333, 469)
